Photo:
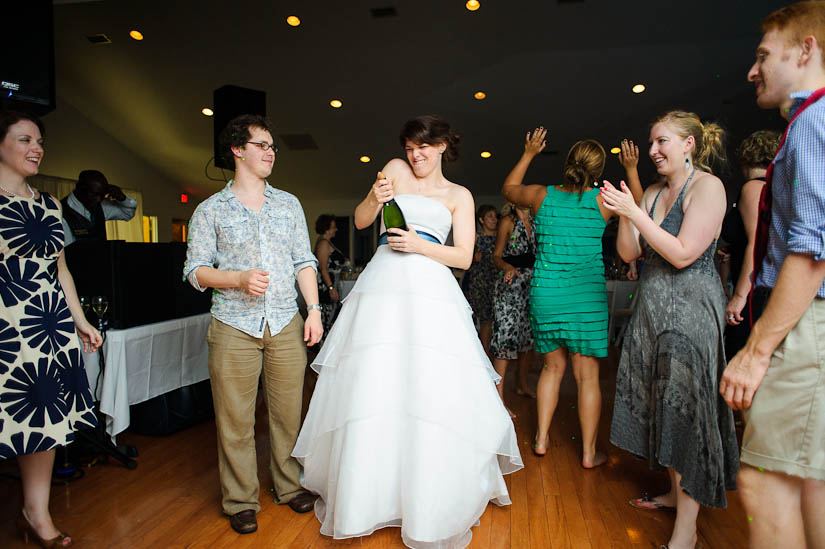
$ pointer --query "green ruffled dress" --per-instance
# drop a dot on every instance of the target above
(568, 295)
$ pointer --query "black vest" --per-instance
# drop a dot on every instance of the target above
(81, 227)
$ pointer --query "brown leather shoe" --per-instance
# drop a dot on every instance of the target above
(244, 522)
(302, 503)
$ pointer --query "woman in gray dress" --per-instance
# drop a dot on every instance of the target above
(667, 407)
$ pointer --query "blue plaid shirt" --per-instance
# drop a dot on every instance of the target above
(226, 235)
(798, 189)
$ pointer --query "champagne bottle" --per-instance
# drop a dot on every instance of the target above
(393, 216)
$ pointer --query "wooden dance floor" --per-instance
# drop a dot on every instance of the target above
(173, 498)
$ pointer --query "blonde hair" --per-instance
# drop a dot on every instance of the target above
(797, 21)
(584, 164)
(708, 137)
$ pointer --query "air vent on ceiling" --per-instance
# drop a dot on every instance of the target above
(98, 39)
(388, 11)
(299, 142)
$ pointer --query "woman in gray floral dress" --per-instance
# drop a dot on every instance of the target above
(514, 256)
(482, 273)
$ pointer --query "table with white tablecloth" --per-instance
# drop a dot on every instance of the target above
(344, 287)
(620, 305)
(147, 361)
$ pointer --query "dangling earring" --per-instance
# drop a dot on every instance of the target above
(242, 158)
(687, 164)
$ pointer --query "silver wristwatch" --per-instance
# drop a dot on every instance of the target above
(315, 307)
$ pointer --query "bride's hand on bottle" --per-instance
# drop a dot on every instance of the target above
(382, 189)
(404, 241)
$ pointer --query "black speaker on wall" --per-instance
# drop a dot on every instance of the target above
(27, 58)
(229, 102)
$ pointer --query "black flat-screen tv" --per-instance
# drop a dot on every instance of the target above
(27, 58)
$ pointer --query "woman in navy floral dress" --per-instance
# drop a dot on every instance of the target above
(44, 392)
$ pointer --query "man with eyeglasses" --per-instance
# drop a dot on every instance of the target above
(249, 242)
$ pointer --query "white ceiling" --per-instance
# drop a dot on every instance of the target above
(568, 66)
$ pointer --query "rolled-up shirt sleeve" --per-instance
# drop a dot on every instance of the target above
(201, 246)
(302, 256)
(807, 163)
(119, 211)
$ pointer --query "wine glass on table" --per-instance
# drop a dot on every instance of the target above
(85, 304)
(100, 304)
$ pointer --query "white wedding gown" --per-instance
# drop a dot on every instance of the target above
(405, 427)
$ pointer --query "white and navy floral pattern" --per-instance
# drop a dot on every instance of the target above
(44, 392)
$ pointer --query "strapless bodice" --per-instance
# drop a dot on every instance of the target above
(424, 214)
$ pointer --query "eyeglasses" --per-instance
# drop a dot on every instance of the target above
(264, 145)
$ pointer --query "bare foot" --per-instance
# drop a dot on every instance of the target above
(690, 543)
(528, 392)
(598, 459)
(540, 445)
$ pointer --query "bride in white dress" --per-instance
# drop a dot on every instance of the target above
(405, 427)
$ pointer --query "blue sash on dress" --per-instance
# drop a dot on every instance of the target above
(382, 239)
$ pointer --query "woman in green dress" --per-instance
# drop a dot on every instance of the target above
(568, 297)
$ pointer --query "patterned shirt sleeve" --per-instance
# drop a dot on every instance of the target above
(807, 163)
(201, 245)
(302, 256)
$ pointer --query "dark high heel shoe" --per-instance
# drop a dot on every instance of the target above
(28, 531)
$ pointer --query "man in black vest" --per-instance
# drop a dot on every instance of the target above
(92, 203)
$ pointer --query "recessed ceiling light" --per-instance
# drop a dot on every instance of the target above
(472, 5)
(336, 104)
(136, 34)
(638, 88)
(615, 150)
(486, 154)
(293, 21)
(365, 159)
(479, 95)
(207, 111)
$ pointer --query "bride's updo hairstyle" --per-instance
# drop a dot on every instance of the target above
(709, 137)
(432, 130)
(584, 164)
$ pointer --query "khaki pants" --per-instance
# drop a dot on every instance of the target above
(236, 361)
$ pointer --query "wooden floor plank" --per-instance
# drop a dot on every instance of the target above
(173, 498)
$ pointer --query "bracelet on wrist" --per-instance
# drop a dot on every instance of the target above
(314, 307)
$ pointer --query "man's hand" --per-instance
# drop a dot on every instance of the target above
(313, 328)
(254, 281)
(742, 378)
(113, 192)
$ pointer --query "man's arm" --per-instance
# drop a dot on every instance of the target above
(799, 281)
(119, 206)
(305, 264)
(308, 284)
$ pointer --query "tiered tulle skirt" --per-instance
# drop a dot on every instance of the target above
(405, 427)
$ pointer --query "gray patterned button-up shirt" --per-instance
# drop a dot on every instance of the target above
(226, 235)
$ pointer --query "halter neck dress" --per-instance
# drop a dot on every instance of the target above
(667, 407)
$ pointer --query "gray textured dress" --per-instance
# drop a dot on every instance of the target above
(668, 408)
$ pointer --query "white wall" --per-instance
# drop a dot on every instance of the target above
(74, 143)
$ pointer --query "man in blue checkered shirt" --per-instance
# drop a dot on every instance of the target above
(779, 376)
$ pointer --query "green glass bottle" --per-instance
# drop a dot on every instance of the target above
(393, 216)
